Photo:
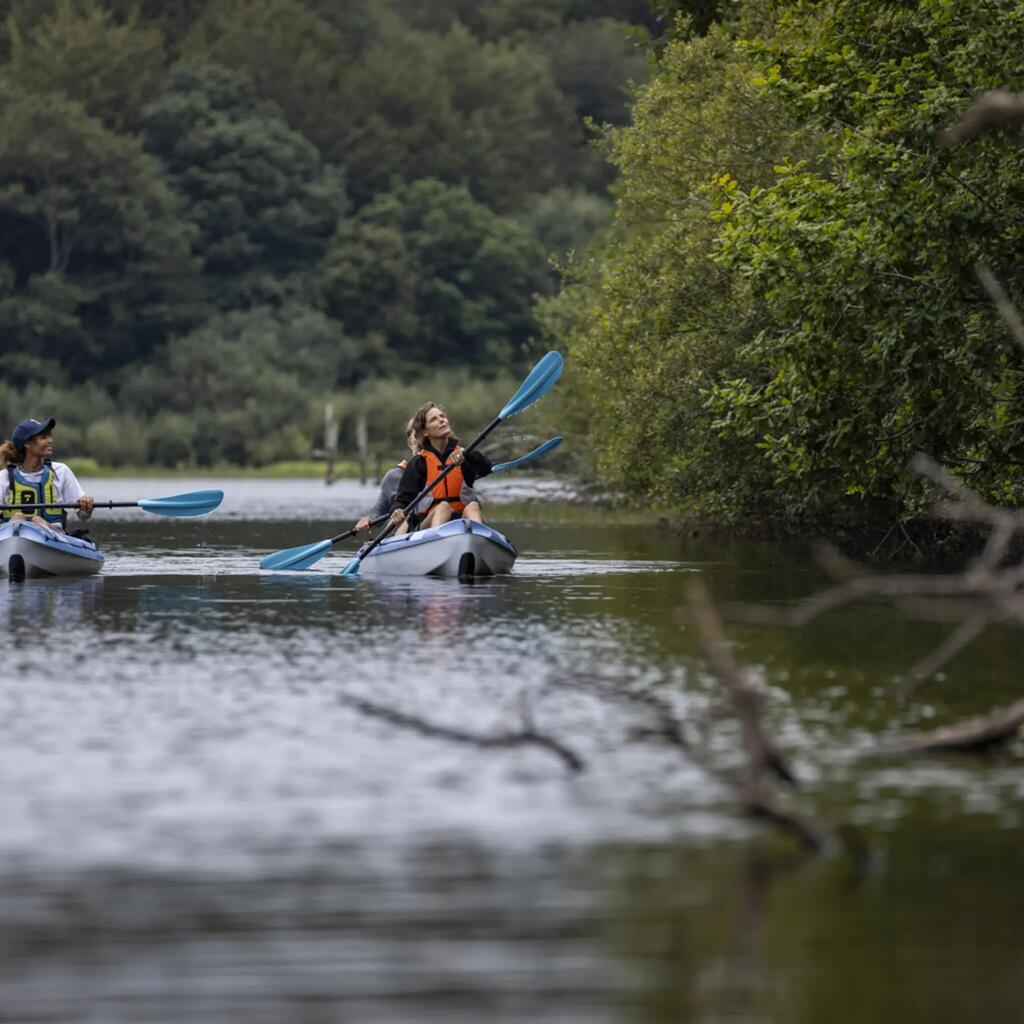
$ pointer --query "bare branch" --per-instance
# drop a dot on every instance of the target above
(969, 735)
(997, 108)
(527, 737)
(1003, 303)
(948, 649)
(760, 798)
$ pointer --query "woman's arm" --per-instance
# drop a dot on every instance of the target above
(476, 466)
(69, 490)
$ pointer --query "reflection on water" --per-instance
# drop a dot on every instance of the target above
(198, 827)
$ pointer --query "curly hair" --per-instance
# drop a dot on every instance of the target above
(11, 456)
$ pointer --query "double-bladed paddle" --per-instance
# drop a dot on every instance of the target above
(541, 449)
(309, 554)
(192, 503)
(540, 381)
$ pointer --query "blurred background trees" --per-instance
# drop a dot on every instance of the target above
(227, 211)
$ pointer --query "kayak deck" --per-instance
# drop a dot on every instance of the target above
(461, 547)
(30, 551)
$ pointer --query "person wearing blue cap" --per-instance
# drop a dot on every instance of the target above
(30, 476)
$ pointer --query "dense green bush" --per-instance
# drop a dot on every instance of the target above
(787, 306)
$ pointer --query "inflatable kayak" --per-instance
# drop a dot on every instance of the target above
(459, 548)
(28, 550)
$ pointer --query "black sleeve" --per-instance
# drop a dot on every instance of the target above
(477, 465)
(413, 480)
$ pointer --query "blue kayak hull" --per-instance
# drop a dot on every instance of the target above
(30, 551)
(459, 548)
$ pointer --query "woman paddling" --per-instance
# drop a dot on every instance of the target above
(438, 448)
(30, 477)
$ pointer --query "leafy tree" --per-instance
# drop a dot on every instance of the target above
(880, 341)
(78, 50)
(237, 387)
(594, 62)
(651, 319)
(485, 115)
(262, 200)
(566, 220)
(94, 260)
(290, 55)
(438, 275)
(790, 284)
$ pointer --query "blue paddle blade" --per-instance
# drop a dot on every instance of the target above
(352, 569)
(193, 503)
(541, 380)
(537, 452)
(296, 558)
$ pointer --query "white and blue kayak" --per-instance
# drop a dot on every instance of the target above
(30, 551)
(461, 547)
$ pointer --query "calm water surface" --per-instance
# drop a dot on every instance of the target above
(196, 824)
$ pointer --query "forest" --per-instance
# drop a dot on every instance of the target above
(215, 216)
(739, 220)
(788, 305)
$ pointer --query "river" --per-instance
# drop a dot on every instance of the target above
(199, 820)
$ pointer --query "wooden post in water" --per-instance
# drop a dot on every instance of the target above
(361, 446)
(330, 448)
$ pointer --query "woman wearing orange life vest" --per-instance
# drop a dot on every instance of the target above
(438, 447)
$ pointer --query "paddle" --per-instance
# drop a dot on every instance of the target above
(540, 381)
(192, 503)
(309, 554)
(541, 449)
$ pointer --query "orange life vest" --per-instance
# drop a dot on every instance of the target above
(450, 488)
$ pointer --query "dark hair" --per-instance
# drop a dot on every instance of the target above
(10, 455)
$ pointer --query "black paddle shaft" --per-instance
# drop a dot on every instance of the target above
(68, 504)
(391, 527)
(353, 531)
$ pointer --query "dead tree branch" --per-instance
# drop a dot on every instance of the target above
(528, 736)
(765, 767)
(995, 109)
(969, 735)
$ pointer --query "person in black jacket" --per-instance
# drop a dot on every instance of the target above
(438, 448)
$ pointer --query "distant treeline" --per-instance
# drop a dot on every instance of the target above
(216, 214)
(787, 306)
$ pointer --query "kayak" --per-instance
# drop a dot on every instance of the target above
(460, 547)
(28, 550)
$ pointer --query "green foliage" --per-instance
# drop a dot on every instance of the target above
(488, 115)
(470, 399)
(78, 50)
(164, 163)
(237, 389)
(880, 341)
(259, 195)
(566, 220)
(652, 320)
(436, 273)
(94, 257)
(289, 54)
(788, 292)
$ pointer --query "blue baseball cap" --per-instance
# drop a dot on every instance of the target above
(27, 429)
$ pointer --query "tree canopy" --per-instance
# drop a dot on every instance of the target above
(789, 288)
(382, 171)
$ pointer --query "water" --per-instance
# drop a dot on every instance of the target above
(201, 821)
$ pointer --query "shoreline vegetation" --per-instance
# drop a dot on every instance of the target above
(922, 540)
